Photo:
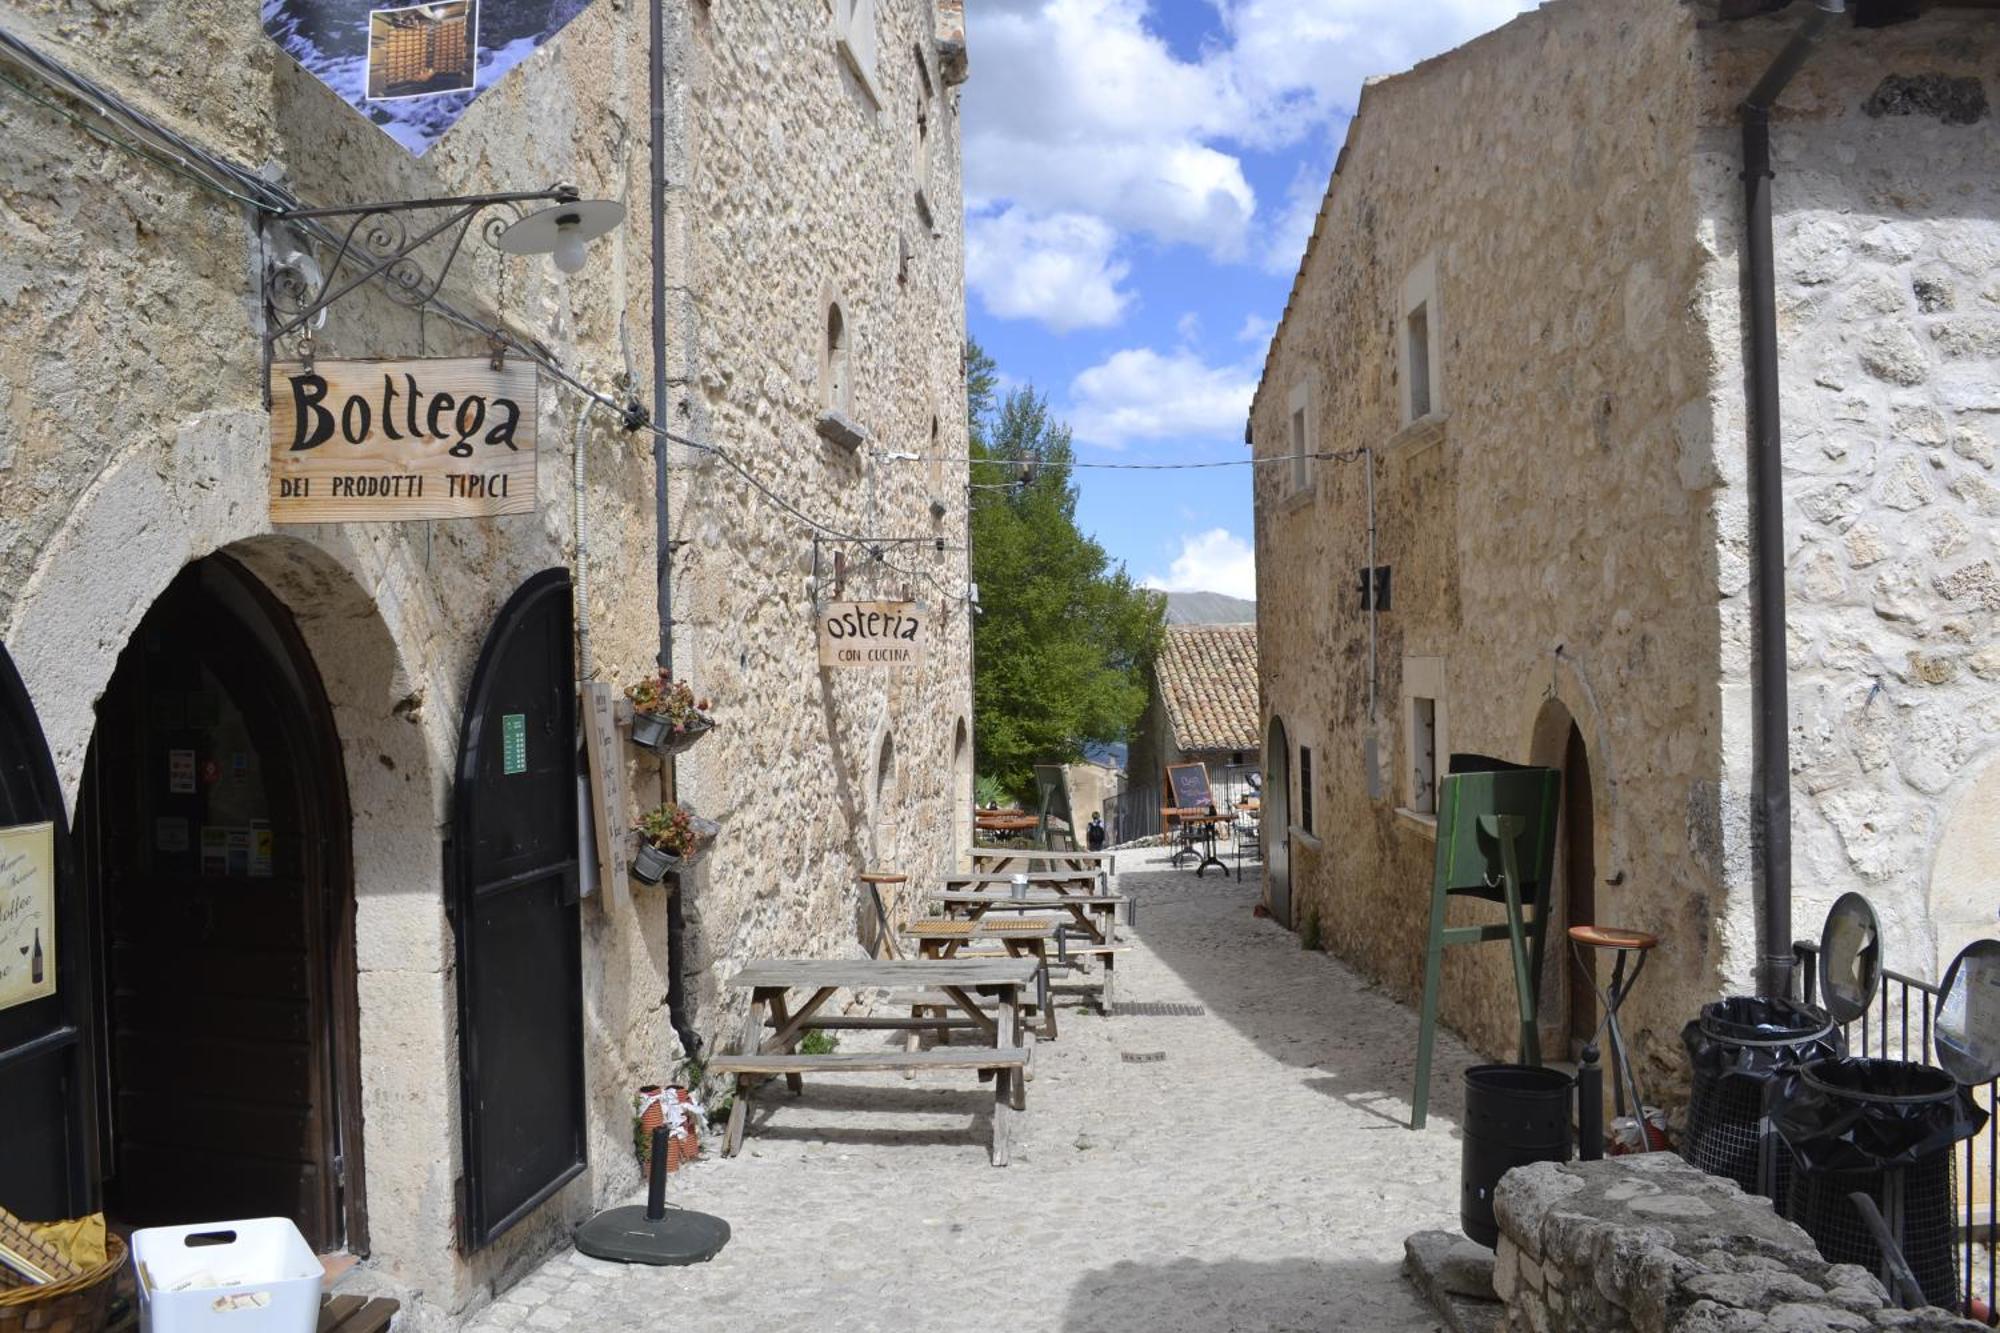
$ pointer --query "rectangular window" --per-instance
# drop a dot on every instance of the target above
(1420, 362)
(1300, 433)
(1299, 450)
(923, 154)
(854, 32)
(1306, 788)
(1423, 776)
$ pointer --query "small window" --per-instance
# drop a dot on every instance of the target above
(1420, 361)
(934, 466)
(854, 31)
(1299, 439)
(1423, 774)
(834, 386)
(1306, 788)
(923, 148)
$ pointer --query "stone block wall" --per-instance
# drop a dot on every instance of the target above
(1648, 1244)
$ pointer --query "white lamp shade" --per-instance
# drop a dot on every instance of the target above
(561, 230)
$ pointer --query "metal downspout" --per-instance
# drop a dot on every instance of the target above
(656, 60)
(1772, 782)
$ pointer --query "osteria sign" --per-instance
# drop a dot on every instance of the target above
(875, 635)
(382, 441)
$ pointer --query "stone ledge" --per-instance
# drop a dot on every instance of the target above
(1455, 1276)
(835, 428)
(1648, 1244)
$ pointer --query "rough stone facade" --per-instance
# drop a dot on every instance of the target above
(1648, 1244)
(133, 441)
(1567, 526)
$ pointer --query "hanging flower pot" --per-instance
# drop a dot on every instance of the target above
(666, 716)
(675, 1108)
(671, 837)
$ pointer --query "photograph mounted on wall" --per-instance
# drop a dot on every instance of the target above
(413, 69)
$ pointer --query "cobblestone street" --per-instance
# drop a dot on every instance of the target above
(1257, 1177)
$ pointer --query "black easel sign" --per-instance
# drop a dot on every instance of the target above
(1190, 784)
(27, 913)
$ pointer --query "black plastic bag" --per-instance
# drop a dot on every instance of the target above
(1754, 1037)
(1867, 1114)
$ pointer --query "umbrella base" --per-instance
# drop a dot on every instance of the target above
(677, 1238)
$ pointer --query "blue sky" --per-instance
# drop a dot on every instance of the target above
(1140, 180)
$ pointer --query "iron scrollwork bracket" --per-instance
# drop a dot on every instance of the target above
(378, 243)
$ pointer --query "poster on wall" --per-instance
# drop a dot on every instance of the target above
(872, 635)
(27, 913)
(413, 69)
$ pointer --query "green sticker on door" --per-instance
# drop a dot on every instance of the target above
(513, 743)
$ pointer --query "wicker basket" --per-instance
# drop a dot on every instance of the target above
(74, 1305)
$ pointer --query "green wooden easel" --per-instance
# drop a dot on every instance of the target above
(1496, 841)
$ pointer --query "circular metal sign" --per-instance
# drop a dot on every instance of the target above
(1967, 1034)
(1850, 958)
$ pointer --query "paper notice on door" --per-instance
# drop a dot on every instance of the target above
(170, 835)
(237, 851)
(180, 772)
(214, 850)
(260, 851)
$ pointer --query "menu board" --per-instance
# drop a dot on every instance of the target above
(1190, 784)
(27, 913)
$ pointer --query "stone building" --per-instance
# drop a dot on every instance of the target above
(1203, 710)
(809, 267)
(1518, 352)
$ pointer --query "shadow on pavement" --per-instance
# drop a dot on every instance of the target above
(1241, 1297)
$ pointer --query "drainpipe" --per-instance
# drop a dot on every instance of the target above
(1773, 779)
(663, 550)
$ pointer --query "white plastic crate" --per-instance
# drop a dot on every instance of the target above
(256, 1276)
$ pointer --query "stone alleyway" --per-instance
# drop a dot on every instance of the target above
(1258, 1177)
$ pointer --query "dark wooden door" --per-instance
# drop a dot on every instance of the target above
(512, 866)
(48, 1141)
(213, 806)
(1579, 880)
(1274, 823)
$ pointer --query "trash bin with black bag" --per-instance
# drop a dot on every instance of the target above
(1886, 1129)
(1739, 1048)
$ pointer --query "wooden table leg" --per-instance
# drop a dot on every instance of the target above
(1040, 950)
(781, 1019)
(1007, 1096)
(749, 1041)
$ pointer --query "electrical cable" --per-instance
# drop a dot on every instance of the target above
(1027, 464)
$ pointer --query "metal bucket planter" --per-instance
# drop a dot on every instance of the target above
(651, 865)
(651, 731)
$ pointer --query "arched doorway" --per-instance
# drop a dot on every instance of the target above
(1275, 820)
(213, 823)
(961, 796)
(1559, 743)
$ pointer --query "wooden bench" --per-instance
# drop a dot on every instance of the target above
(748, 1068)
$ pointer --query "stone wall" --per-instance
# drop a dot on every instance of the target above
(1646, 1244)
(1547, 533)
(1887, 228)
(133, 440)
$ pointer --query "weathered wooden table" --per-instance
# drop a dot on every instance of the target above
(770, 982)
(1063, 881)
(946, 937)
(1094, 914)
(1000, 860)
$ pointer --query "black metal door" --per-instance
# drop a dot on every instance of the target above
(48, 1133)
(512, 870)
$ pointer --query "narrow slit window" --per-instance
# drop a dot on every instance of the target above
(1300, 475)
(1420, 362)
(836, 360)
(1423, 762)
(1306, 788)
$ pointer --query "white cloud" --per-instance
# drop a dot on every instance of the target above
(1213, 561)
(1188, 326)
(1256, 330)
(1141, 394)
(1081, 106)
(1057, 269)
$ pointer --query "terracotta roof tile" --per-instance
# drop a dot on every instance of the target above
(1207, 678)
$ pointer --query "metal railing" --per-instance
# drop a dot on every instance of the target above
(1887, 1029)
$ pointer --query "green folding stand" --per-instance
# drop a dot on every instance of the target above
(1496, 841)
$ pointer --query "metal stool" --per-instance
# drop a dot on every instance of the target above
(1621, 942)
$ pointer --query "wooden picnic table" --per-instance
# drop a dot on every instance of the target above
(770, 982)
(1000, 858)
(1060, 880)
(946, 937)
(1096, 914)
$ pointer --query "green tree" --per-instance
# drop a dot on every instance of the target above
(1063, 647)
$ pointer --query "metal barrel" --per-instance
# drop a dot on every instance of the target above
(1514, 1115)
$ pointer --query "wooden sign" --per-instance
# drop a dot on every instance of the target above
(1190, 786)
(607, 787)
(873, 635)
(27, 913)
(381, 441)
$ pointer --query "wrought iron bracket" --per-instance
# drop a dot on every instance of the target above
(312, 257)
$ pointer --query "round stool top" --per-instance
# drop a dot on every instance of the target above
(1612, 937)
(883, 877)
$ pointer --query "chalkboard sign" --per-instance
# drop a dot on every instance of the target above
(1190, 786)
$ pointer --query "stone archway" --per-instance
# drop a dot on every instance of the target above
(1274, 819)
(359, 607)
(1567, 1002)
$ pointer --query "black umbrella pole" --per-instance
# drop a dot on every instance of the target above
(656, 1180)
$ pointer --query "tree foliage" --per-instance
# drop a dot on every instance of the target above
(1063, 648)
